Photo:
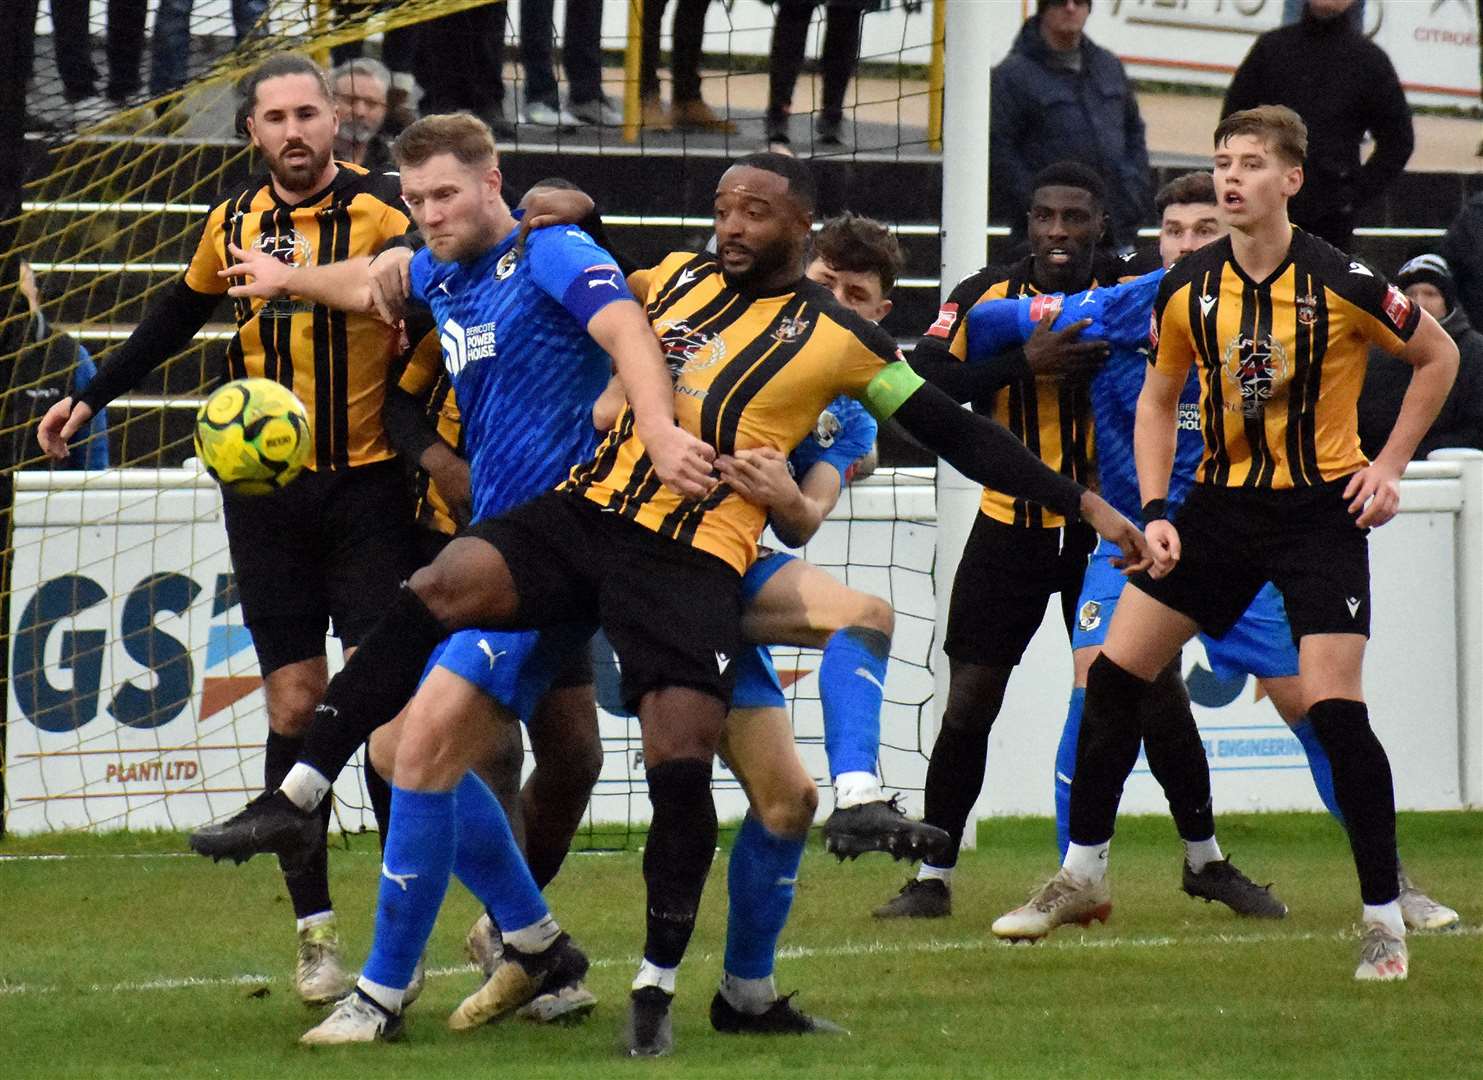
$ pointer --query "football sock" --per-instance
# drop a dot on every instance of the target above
(1318, 765)
(1087, 860)
(414, 877)
(677, 855)
(943, 874)
(1066, 767)
(377, 681)
(317, 919)
(955, 776)
(1364, 792)
(305, 786)
(751, 996)
(857, 788)
(388, 997)
(488, 862)
(1106, 751)
(1201, 853)
(1388, 915)
(307, 880)
(379, 792)
(536, 937)
(651, 974)
(760, 882)
(852, 681)
(1176, 756)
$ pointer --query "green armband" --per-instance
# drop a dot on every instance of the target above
(892, 385)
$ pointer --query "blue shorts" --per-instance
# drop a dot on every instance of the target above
(757, 684)
(1260, 643)
(514, 668)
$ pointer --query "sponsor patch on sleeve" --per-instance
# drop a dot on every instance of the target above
(1397, 306)
(1045, 304)
(946, 316)
(1153, 331)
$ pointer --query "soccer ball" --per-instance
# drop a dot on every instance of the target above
(253, 436)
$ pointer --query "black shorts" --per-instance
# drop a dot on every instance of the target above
(1303, 540)
(331, 548)
(671, 611)
(1005, 578)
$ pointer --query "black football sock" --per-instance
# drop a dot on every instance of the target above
(1106, 751)
(960, 754)
(1176, 756)
(379, 678)
(308, 880)
(380, 793)
(677, 855)
(1364, 791)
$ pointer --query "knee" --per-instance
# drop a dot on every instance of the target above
(875, 614)
(291, 707)
(383, 752)
(435, 587)
(789, 812)
(428, 756)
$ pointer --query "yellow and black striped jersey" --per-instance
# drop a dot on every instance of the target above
(335, 362)
(426, 379)
(1281, 361)
(750, 370)
(1053, 419)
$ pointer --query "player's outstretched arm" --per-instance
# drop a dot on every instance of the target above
(1432, 355)
(256, 274)
(682, 461)
(1155, 438)
(167, 328)
(986, 452)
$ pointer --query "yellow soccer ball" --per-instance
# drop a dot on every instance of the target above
(253, 436)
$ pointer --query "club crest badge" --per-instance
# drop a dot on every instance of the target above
(1089, 617)
(790, 330)
(1307, 309)
(506, 265)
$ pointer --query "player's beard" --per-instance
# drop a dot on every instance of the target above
(300, 177)
(766, 262)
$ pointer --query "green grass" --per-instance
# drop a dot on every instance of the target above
(98, 950)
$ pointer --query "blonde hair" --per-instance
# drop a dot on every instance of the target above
(461, 134)
(1276, 125)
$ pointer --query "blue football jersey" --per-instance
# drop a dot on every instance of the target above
(1121, 315)
(844, 434)
(525, 372)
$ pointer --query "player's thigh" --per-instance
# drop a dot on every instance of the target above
(758, 746)
(1101, 586)
(292, 691)
(1331, 666)
(1145, 634)
(801, 604)
(1004, 580)
(383, 744)
(1286, 695)
(565, 739)
(449, 728)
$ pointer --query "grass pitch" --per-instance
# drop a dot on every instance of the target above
(124, 958)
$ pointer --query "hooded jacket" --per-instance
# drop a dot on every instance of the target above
(1460, 423)
(1041, 113)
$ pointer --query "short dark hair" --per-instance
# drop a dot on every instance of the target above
(1276, 125)
(461, 134)
(274, 67)
(860, 245)
(1071, 174)
(800, 180)
(1191, 189)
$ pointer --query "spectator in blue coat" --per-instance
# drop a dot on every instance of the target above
(1058, 96)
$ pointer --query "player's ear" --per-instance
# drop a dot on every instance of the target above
(1292, 183)
(886, 307)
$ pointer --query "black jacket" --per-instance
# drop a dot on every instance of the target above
(1342, 85)
(1462, 247)
(1460, 423)
(1041, 114)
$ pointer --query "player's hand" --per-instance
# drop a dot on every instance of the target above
(27, 285)
(1163, 542)
(451, 477)
(1056, 354)
(1378, 485)
(546, 206)
(256, 273)
(391, 283)
(62, 421)
(761, 476)
(1111, 525)
(682, 461)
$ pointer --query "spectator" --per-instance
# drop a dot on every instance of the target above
(1059, 97)
(581, 55)
(837, 61)
(1342, 85)
(44, 368)
(1292, 11)
(461, 64)
(398, 53)
(1427, 280)
(170, 49)
(687, 109)
(361, 87)
(72, 40)
(1462, 247)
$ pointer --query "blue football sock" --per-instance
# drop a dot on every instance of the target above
(489, 862)
(852, 681)
(1066, 767)
(760, 883)
(414, 876)
(1318, 765)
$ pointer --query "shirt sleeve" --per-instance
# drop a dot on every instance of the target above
(1171, 348)
(569, 266)
(1384, 316)
(201, 274)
